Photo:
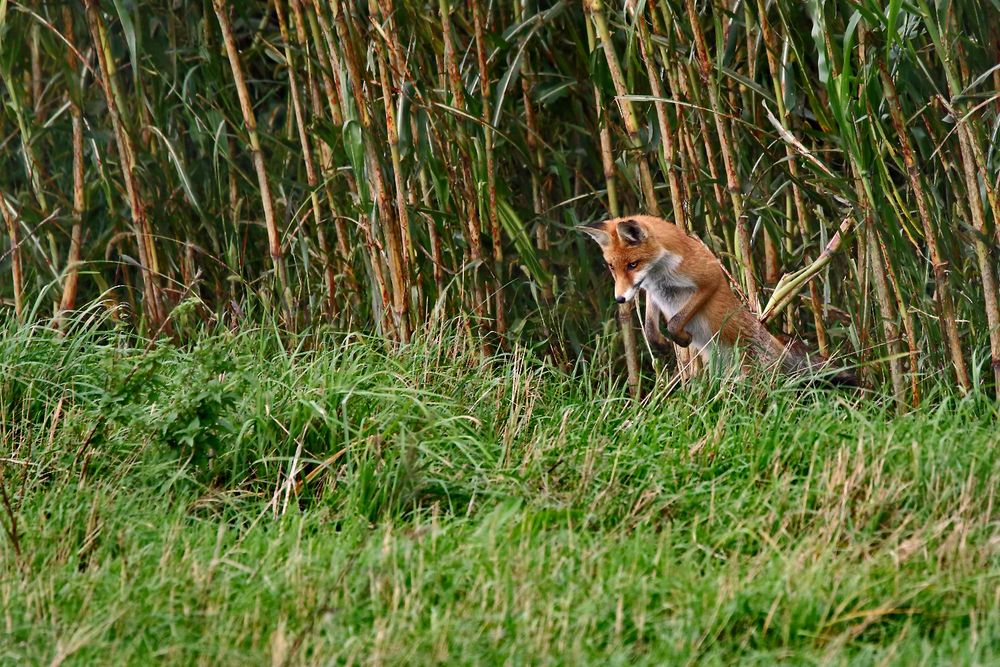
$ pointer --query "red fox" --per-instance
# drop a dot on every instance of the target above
(684, 281)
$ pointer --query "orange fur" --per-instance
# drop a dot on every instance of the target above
(685, 282)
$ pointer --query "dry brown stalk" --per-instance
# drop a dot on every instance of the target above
(387, 218)
(938, 264)
(625, 310)
(68, 300)
(770, 40)
(735, 186)
(471, 212)
(312, 180)
(275, 248)
(322, 42)
(17, 275)
(669, 159)
(143, 233)
(491, 184)
(909, 329)
(987, 268)
(629, 118)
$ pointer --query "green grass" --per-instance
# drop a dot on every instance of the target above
(479, 513)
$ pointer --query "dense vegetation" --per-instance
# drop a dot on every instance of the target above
(302, 361)
(379, 164)
(238, 502)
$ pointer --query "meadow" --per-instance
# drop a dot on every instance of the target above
(334, 501)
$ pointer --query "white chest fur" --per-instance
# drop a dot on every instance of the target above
(670, 290)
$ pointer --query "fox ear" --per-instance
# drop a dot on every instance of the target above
(631, 232)
(597, 232)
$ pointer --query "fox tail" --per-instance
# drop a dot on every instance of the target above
(795, 358)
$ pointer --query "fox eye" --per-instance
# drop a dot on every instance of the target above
(632, 265)
(610, 268)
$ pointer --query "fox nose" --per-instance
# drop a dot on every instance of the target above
(620, 299)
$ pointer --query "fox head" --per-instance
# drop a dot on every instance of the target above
(628, 252)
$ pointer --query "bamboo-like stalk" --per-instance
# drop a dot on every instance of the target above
(628, 114)
(669, 142)
(906, 316)
(389, 225)
(625, 310)
(275, 248)
(68, 300)
(885, 295)
(883, 292)
(329, 63)
(312, 180)
(399, 77)
(451, 62)
(939, 266)
(668, 157)
(402, 213)
(975, 141)
(143, 233)
(967, 139)
(770, 40)
(989, 188)
(491, 184)
(733, 182)
(337, 98)
(885, 301)
(457, 91)
(987, 268)
(682, 81)
(16, 270)
(322, 42)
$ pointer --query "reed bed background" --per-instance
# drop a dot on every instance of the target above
(378, 165)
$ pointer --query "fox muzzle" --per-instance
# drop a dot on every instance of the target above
(630, 293)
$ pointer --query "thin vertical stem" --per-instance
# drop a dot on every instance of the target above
(312, 180)
(250, 121)
(491, 185)
(457, 90)
(668, 157)
(143, 233)
(390, 230)
(885, 302)
(945, 303)
(17, 275)
(770, 40)
(625, 310)
(624, 105)
(68, 300)
(735, 186)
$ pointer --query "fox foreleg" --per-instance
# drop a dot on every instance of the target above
(676, 324)
(651, 327)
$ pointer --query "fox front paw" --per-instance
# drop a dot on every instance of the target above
(680, 337)
(661, 346)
